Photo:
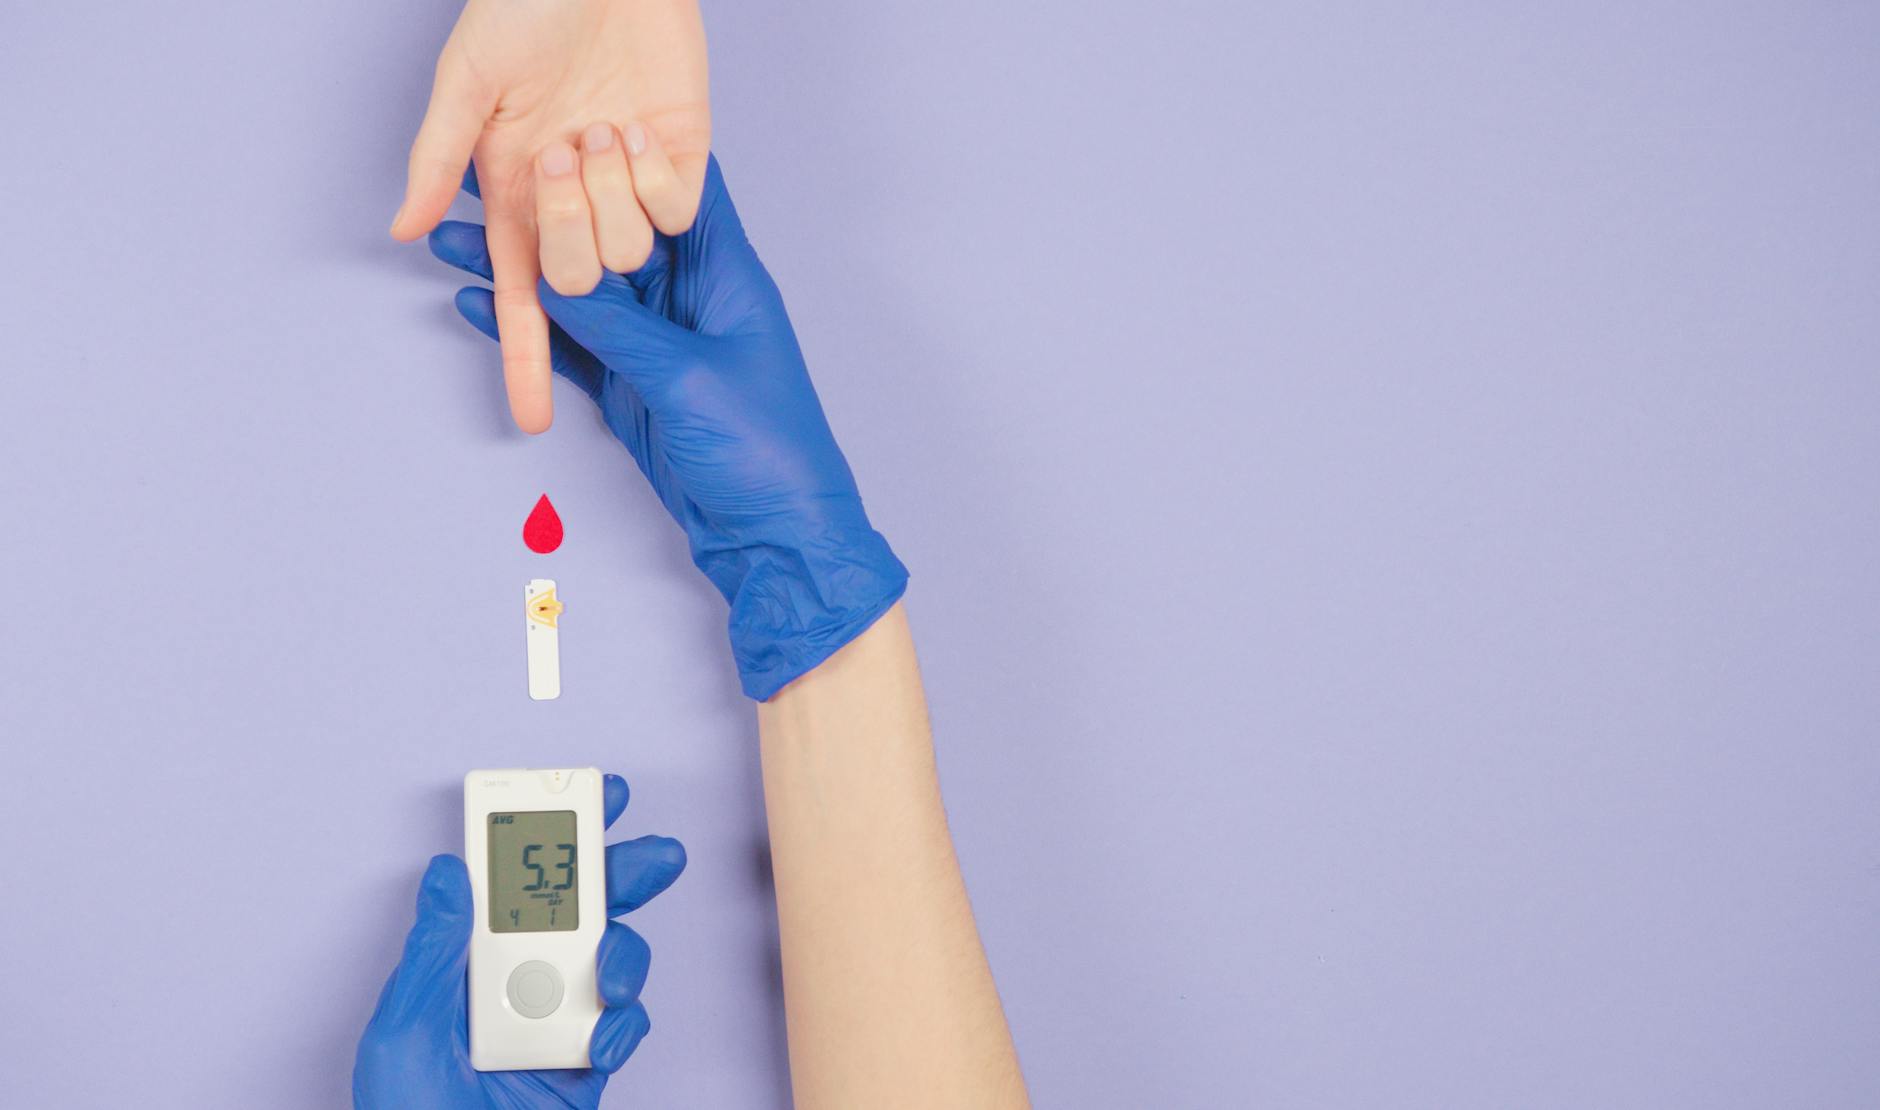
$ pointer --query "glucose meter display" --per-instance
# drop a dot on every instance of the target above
(532, 872)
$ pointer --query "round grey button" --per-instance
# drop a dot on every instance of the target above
(535, 989)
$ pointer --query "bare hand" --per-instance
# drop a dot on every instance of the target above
(515, 80)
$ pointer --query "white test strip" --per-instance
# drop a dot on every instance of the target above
(542, 616)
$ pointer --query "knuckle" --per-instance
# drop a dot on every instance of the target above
(521, 357)
(562, 210)
(655, 181)
(606, 173)
(514, 299)
(659, 197)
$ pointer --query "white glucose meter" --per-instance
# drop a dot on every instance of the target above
(534, 844)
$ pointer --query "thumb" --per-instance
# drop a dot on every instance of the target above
(453, 122)
(632, 340)
(428, 985)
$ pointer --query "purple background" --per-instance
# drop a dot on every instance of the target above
(1392, 501)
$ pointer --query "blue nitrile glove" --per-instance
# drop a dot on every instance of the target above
(696, 369)
(415, 1054)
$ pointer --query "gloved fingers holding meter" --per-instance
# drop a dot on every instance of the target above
(637, 872)
(415, 1052)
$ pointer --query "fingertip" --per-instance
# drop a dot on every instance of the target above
(618, 1032)
(692, 169)
(667, 200)
(457, 234)
(578, 284)
(445, 869)
(528, 361)
(638, 137)
(533, 421)
(445, 889)
(597, 138)
(424, 206)
(533, 412)
(629, 261)
(615, 795)
(673, 853)
(407, 228)
(622, 965)
(640, 870)
(478, 306)
(557, 159)
(686, 214)
(463, 245)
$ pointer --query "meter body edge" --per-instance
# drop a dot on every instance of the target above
(516, 1021)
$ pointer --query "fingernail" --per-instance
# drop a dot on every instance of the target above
(598, 137)
(636, 138)
(398, 215)
(558, 160)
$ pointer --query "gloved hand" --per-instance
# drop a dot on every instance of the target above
(696, 369)
(415, 1054)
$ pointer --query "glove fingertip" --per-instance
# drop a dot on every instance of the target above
(615, 796)
(640, 870)
(622, 965)
(616, 1035)
(478, 306)
(445, 889)
(672, 854)
(462, 245)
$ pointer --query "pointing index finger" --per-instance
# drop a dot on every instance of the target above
(520, 320)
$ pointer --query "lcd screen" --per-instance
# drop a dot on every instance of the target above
(533, 876)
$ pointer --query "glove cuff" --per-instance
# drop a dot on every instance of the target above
(793, 607)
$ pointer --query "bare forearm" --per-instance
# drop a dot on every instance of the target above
(889, 998)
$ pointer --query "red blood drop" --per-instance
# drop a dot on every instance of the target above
(542, 531)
